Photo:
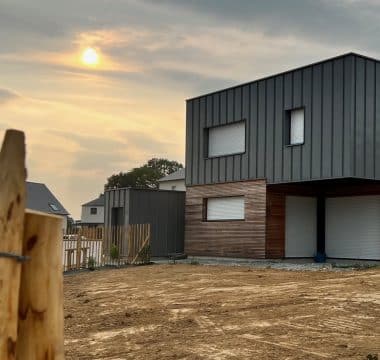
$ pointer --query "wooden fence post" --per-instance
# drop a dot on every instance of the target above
(79, 248)
(12, 207)
(40, 323)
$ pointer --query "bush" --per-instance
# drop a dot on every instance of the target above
(144, 254)
(114, 252)
(91, 263)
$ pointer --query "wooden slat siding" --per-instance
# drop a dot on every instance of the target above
(275, 227)
(244, 239)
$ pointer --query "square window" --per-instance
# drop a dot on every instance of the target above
(296, 126)
(93, 211)
(225, 140)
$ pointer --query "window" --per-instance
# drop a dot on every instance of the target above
(174, 187)
(53, 207)
(226, 139)
(93, 211)
(224, 208)
(296, 126)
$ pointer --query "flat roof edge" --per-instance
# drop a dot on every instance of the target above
(284, 72)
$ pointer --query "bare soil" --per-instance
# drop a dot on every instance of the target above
(217, 312)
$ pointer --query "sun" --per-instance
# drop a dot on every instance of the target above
(90, 57)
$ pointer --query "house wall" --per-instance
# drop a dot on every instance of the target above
(164, 210)
(243, 239)
(341, 98)
(116, 198)
(88, 218)
(168, 185)
(64, 224)
(366, 119)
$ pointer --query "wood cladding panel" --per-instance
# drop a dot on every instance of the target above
(275, 226)
(245, 239)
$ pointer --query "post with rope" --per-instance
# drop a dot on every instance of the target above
(31, 291)
(12, 208)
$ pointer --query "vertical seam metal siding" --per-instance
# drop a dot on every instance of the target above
(339, 119)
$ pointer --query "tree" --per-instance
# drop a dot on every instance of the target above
(145, 176)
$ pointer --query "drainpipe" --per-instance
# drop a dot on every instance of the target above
(321, 227)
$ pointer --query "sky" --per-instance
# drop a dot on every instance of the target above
(84, 123)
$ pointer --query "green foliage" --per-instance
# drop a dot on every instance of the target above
(91, 263)
(114, 252)
(145, 176)
(144, 254)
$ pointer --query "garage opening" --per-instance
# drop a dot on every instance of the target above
(353, 227)
(300, 226)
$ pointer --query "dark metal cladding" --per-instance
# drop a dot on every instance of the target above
(163, 209)
(341, 98)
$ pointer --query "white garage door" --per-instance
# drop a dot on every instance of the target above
(300, 226)
(353, 227)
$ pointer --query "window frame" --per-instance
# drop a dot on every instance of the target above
(205, 207)
(53, 207)
(206, 137)
(288, 123)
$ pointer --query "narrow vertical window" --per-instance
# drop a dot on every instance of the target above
(296, 126)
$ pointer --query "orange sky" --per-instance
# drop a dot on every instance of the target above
(84, 123)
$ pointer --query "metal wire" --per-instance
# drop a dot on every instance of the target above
(19, 258)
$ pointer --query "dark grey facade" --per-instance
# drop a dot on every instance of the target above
(164, 210)
(341, 98)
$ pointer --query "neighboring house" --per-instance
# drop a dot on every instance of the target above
(173, 181)
(93, 213)
(288, 165)
(40, 198)
(164, 210)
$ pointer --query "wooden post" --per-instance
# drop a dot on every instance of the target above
(12, 207)
(40, 327)
(79, 251)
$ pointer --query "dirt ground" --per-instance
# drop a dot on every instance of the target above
(217, 312)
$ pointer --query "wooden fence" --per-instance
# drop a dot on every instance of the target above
(116, 245)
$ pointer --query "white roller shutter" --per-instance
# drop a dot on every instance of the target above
(227, 139)
(353, 227)
(297, 126)
(300, 226)
(225, 208)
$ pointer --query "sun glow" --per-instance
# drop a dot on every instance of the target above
(90, 57)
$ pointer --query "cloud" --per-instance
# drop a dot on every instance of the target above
(7, 96)
(118, 151)
(83, 125)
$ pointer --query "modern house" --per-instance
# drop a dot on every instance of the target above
(288, 165)
(40, 198)
(174, 181)
(92, 214)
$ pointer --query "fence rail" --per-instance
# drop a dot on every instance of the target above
(100, 246)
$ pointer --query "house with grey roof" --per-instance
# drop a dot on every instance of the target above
(174, 181)
(93, 212)
(40, 198)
